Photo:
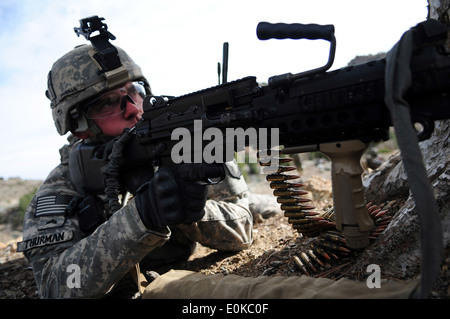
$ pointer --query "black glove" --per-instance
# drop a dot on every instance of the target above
(104, 150)
(135, 177)
(176, 195)
(192, 180)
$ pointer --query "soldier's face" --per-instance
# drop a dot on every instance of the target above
(117, 109)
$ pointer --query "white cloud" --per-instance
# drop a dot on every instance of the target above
(177, 44)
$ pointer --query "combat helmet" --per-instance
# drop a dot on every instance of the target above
(81, 75)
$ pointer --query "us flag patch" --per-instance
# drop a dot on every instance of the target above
(52, 205)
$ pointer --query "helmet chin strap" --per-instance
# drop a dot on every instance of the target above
(82, 123)
(86, 126)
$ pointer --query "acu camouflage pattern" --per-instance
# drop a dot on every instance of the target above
(116, 246)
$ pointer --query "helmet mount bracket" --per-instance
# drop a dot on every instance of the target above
(94, 30)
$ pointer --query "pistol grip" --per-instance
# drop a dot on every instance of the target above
(351, 214)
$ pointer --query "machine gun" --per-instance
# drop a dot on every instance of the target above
(336, 112)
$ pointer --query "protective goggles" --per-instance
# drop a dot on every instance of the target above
(113, 103)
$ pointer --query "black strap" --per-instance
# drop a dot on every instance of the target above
(107, 55)
(398, 81)
(111, 170)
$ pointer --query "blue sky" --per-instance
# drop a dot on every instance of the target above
(177, 43)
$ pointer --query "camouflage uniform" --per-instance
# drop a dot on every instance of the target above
(53, 241)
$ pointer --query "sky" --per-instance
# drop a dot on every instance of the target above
(178, 44)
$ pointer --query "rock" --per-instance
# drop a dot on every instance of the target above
(397, 250)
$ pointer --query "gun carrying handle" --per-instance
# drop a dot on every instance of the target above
(351, 213)
(266, 31)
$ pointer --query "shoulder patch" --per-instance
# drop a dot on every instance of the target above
(52, 204)
(44, 240)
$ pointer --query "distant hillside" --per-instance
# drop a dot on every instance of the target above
(359, 59)
(15, 194)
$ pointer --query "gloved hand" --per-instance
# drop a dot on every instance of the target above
(176, 195)
(104, 150)
(130, 179)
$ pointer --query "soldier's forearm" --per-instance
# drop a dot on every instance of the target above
(225, 226)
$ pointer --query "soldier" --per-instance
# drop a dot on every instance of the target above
(77, 247)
